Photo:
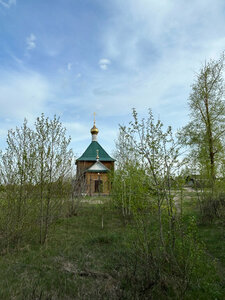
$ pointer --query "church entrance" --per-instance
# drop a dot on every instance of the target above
(98, 186)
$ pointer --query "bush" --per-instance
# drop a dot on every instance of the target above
(149, 271)
(213, 207)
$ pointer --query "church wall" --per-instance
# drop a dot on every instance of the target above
(83, 165)
(108, 164)
(90, 181)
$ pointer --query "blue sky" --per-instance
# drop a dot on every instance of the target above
(75, 57)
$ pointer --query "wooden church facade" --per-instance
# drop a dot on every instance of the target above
(94, 168)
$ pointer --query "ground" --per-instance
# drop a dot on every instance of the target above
(80, 258)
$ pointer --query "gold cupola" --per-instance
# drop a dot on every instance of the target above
(94, 129)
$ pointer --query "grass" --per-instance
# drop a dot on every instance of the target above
(73, 264)
(81, 259)
(212, 234)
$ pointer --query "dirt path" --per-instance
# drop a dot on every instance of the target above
(177, 197)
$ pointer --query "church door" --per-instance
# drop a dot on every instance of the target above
(98, 186)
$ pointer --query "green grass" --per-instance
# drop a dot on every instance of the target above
(76, 245)
(211, 234)
(214, 237)
(81, 260)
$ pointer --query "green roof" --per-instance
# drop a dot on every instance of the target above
(91, 152)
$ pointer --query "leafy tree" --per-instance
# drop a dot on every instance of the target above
(130, 183)
(156, 153)
(206, 130)
(17, 169)
(54, 161)
(159, 155)
(36, 173)
(130, 189)
(163, 247)
(125, 152)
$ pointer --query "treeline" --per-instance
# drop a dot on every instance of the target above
(35, 174)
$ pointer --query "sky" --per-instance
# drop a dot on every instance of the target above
(76, 57)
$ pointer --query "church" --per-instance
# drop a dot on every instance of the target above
(94, 168)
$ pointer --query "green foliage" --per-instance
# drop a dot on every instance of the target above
(164, 258)
(34, 172)
(130, 189)
(83, 261)
(150, 272)
(152, 152)
(204, 135)
(205, 132)
(53, 165)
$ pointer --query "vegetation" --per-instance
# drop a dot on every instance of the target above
(34, 175)
(205, 132)
(82, 260)
(156, 237)
(205, 136)
(167, 258)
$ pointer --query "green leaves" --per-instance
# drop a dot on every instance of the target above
(34, 170)
(205, 132)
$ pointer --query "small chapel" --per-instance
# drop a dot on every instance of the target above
(94, 167)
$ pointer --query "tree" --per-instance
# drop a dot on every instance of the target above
(163, 246)
(155, 157)
(125, 152)
(35, 171)
(206, 130)
(17, 169)
(54, 161)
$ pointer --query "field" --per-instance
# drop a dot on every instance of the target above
(84, 258)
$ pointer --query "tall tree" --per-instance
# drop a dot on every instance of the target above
(17, 169)
(125, 150)
(206, 130)
(35, 171)
(54, 162)
(155, 161)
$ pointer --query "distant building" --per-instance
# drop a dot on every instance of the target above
(93, 168)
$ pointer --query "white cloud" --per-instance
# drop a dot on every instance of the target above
(31, 41)
(78, 131)
(104, 63)
(8, 4)
(157, 47)
(142, 28)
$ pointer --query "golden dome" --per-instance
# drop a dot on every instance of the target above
(94, 130)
